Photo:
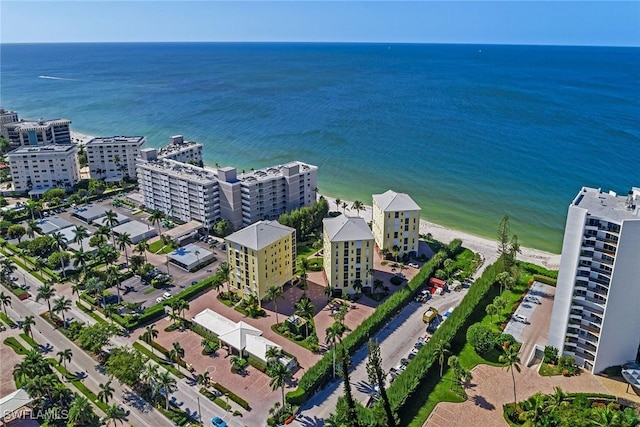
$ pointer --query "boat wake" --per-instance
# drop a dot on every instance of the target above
(57, 78)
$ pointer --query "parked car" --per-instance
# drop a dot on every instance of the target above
(532, 299)
(520, 318)
(218, 422)
(166, 295)
(404, 361)
(413, 264)
(159, 299)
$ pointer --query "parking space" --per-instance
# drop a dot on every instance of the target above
(522, 317)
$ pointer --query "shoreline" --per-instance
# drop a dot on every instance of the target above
(483, 245)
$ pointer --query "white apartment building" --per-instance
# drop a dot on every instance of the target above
(41, 132)
(595, 314)
(182, 151)
(36, 169)
(7, 117)
(180, 189)
(113, 158)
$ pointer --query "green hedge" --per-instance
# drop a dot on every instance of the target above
(240, 401)
(402, 389)
(10, 323)
(218, 401)
(545, 279)
(319, 374)
(15, 345)
(530, 268)
(90, 312)
(29, 340)
(162, 362)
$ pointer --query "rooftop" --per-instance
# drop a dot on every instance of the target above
(181, 170)
(609, 205)
(345, 229)
(40, 124)
(176, 148)
(116, 140)
(137, 230)
(51, 148)
(53, 223)
(272, 172)
(186, 255)
(260, 235)
(392, 201)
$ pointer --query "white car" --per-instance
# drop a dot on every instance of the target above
(520, 318)
(159, 299)
(166, 295)
(413, 264)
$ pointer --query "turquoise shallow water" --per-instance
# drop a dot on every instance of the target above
(471, 132)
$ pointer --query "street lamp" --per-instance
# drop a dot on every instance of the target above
(200, 410)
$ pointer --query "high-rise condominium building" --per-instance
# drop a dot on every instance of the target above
(180, 190)
(260, 256)
(36, 169)
(396, 222)
(113, 158)
(182, 151)
(348, 254)
(595, 313)
(41, 132)
(7, 117)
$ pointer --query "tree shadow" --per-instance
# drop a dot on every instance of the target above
(483, 403)
(365, 387)
(307, 421)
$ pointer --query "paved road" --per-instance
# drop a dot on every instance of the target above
(141, 414)
(396, 340)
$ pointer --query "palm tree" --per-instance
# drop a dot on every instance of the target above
(358, 206)
(46, 292)
(500, 303)
(197, 254)
(338, 202)
(204, 378)
(333, 335)
(141, 248)
(106, 392)
(111, 220)
(505, 280)
(113, 278)
(377, 285)
(60, 244)
(156, 218)
(357, 285)
(306, 310)
(273, 355)
(167, 383)
(511, 360)
(176, 353)
(441, 351)
(304, 267)
(225, 271)
(115, 413)
(61, 305)
(80, 412)
(33, 228)
(345, 207)
(279, 376)
(95, 286)
(5, 300)
(150, 333)
(273, 293)
(396, 252)
(32, 207)
(181, 306)
(7, 267)
(80, 259)
(491, 310)
(328, 291)
(27, 323)
(81, 233)
(105, 232)
(64, 356)
(124, 241)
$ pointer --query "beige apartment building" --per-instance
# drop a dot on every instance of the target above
(260, 256)
(396, 223)
(348, 254)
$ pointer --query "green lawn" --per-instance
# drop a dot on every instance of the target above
(547, 370)
(156, 246)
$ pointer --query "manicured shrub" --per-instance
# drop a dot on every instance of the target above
(481, 337)
(550, 354)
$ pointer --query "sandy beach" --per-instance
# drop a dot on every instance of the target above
(482, 245)
(80, 138)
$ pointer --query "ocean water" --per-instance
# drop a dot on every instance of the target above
(470, 132)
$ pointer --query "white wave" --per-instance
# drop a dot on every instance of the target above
(56, 78)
